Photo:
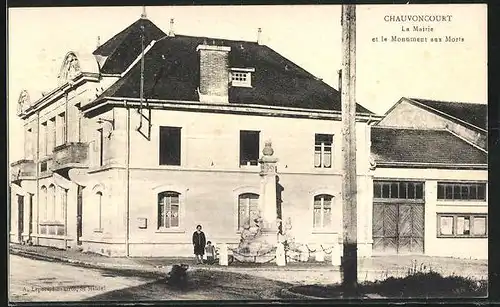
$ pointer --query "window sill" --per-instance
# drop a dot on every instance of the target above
(461, 203)
(248, 165)
(249, 168)
(170, 230)
(462, 237)
(51, 223)
(47, 236)
(234, 84)
(324, 231)
(323, 168)
(398, 200)
(170, 165)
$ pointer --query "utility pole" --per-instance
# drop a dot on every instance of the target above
(349, 183)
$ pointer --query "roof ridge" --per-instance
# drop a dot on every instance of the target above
(409, 128)
(446, 112)
(121, 35)
(448, 101)
(465, 140)
(217, 38)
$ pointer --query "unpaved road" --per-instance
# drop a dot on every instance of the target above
(38, 280)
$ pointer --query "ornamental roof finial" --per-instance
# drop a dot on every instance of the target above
(144, 15)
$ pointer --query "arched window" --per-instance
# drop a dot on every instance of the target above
(168, 209)
(322, 212)
(99, 209)
(248, 209)
(63, 204)
(52, 202)
(61, 214)
(43, 202)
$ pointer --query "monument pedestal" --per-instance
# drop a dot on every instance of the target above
(259, 241)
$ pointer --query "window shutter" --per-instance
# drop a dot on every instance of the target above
(327, 211)
(161, 211)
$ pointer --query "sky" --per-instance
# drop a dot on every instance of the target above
(310, 36)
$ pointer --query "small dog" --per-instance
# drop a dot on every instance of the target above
(178, 275)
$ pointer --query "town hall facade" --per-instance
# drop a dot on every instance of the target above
(124, 167)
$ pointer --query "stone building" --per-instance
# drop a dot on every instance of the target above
(119, 175)
(125, 161)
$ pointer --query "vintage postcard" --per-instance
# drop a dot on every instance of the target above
(247, 152)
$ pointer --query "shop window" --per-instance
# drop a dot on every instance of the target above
(462, 225)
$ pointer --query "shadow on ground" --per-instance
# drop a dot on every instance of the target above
(201, 285)
(417, 285)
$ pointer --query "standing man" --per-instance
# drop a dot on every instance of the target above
(199, 242)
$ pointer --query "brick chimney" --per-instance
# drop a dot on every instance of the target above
(214, 73)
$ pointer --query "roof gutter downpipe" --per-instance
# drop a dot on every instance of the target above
(141, 90)
(127, 194)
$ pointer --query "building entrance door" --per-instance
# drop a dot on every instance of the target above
(398, 218)
(20, 218)
(398, 228)
(30, 222)
(79, 215)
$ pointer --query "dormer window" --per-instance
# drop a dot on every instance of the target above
(241, 77)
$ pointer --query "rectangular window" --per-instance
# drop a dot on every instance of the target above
(394, 190)
(479, 226)
(461, 191)
(462, 225)
(398, 190)
(377, 190)
(43, 166)
(43, 139)
(61, 131)
(241, 77)
(323, 144)
(170, 146)
(28, 144)
(101, 146)
(403, 190)
(52, 134)
(386, 188)
(446, 225)
(249, 147)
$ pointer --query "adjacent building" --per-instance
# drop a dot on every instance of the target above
(430, 183)
(128, 154)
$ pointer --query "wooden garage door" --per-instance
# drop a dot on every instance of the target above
(398, 218)
(398, 228)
